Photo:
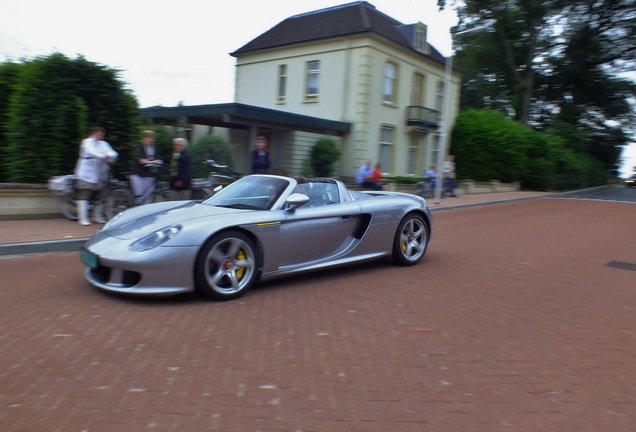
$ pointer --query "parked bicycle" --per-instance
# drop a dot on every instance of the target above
(114, 197)
(220, 175)
(425, 187)
(161, 191)
(118, 195)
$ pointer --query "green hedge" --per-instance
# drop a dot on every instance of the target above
(490, 146)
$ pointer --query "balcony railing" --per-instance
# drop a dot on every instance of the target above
(421, 117)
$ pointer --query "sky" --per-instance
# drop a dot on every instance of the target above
(173, 52)
(178, 52)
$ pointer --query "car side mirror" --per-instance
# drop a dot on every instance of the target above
(296, 200)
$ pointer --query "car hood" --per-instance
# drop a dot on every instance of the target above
(135, 223)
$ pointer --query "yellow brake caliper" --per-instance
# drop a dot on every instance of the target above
(405, 240)
(239, 272)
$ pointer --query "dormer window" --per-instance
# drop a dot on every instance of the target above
(415, 36)
(419, 39)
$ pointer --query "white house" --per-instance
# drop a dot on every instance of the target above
(369, 81)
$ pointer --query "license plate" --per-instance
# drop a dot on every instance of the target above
(88, 258)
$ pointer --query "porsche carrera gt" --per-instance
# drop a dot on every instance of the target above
(259, 228)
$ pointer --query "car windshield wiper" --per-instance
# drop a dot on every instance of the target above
(240, 206)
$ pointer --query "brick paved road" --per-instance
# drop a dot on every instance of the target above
(513, 322)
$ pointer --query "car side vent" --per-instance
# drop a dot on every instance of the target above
(361, 226)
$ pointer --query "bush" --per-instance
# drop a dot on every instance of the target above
(554, 166)
(52, 102)
(324, 154)
(487, 145)
(210, 147)
(404, 179)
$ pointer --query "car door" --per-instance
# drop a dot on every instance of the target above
(314, 233)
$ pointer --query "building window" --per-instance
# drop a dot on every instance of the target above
(282, 82)
(386, 148)
(390, 83)
(313, 74)
(417, 90)
(435, 148)
(439, 97)
(415, 144)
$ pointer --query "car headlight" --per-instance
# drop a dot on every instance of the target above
(155, 239)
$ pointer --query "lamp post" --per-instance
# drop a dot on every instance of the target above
(443, 136)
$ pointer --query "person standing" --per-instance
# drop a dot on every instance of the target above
(260, 157)
(91, 171)
(146, 169)
(180, 169)
(365, 177)
(431, 175)
(449, 175)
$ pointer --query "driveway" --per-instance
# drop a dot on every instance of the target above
(514, 321)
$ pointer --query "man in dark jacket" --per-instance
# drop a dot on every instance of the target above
(260, 157)
(180, 170)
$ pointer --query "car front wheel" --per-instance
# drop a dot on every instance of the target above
(227, 266)
(411, 240)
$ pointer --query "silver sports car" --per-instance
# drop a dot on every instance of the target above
(258, 228)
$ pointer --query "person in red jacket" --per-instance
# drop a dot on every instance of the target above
(376, 176)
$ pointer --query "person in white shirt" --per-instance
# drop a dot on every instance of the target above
(449, 175)
(91, 172)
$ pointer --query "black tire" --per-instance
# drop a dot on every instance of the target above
(227, 266)
(117, 201)
(66, 204)
(411, 240)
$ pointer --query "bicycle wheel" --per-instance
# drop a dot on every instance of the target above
(429, 191)
(117, 201)
(419, 189)
(66, 204)
(162, 195)
(201, 194)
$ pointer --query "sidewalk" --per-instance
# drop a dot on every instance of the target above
(51, 235)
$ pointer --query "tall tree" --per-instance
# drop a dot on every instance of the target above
(595, 47)
(554, 60)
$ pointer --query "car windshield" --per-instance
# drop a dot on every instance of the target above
(250, 193)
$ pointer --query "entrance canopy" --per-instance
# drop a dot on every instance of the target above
(241, 116)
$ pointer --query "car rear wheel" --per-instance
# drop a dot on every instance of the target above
(411, 240)
(227, 266)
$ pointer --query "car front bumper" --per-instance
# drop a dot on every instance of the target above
(160, 272)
